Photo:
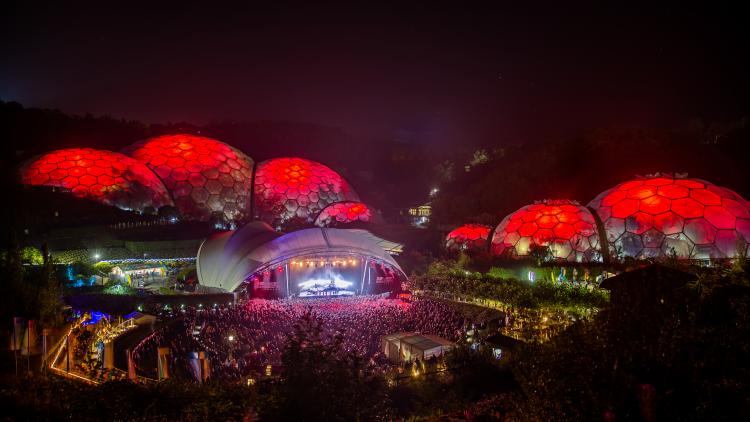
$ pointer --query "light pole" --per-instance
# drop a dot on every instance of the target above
(230, 338)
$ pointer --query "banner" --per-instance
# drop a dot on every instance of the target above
(131, 366)
(163, 357)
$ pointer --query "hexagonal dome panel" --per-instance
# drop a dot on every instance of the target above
(104, 176)
(206, 177)
(341, 213)
(565, 227)
(471, 237)
(668, 214)
(295, 188)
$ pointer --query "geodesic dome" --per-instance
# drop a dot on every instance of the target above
(204, 176)
(472, 237)
(565, 227)
(340, 213)
(295, 188)
(104, 176)
(660, 215)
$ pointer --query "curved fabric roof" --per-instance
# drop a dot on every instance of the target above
(228, 258)
(220, 253)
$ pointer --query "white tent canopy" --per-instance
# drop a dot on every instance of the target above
(226, 259)
(406, 347)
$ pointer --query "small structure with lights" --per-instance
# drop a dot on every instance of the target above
(407, 347)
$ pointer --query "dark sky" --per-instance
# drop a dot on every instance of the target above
(446, 75)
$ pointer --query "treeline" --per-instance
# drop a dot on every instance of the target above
(388, 173)
(685, 359)
(30, 287)
(500, 285)
(492, 183)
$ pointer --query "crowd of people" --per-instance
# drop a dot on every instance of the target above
(243, 339)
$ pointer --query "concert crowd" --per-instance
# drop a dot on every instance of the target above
(241, 340)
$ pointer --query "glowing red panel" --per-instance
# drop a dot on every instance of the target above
(206, 177)
(625, 208)
(289, 189)
(687, 207)
(673, 191)
(557, 224)
(655, 205)
(529, 216)
(547, 221)
(108, 177)
(642, 192)
(528, 229)
(341, 213)
(470, 237)
(564, 231)
(551, 210)
(568, 217)
(720, 217)
(705, 196)
(683, 217)
(618, 196)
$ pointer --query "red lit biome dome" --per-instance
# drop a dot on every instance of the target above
(206, 177)
(472, 237)
(565, 227)
(346, 212)
(296, 189)
(663, 215)
(104, 176)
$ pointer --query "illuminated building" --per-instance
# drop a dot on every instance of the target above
(564, 228)
(472, 237)
(206, 177)
(309, 262)
(104, 176)
(665, 215)
(288, 189)
(419, 216)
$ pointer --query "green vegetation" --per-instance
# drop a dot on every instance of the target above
(31, 291)
(502, 285)
(52, 398)
(682, 360)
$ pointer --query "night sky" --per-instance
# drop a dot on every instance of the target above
(441, 75)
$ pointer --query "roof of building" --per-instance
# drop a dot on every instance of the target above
(419, 341)
(225, 260)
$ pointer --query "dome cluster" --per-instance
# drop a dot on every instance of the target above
(206, 177)
(563, 226)
(295, 188)
(656, 216)
(104, 176)
(660, 216)
(202, 177)
(472, 237)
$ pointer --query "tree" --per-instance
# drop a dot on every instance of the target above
(50, 293)
(322, 381)
(31, 255)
